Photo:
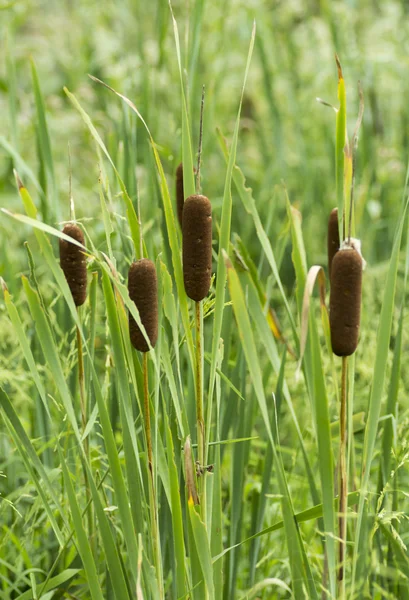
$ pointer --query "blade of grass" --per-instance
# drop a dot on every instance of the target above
(300, 580)
(81, 536)
(46, 155)
(224, 237)
(376, 394)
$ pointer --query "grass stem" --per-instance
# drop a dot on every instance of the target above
(199, 405)
(343, 478)
(152, 503)
(84, 417)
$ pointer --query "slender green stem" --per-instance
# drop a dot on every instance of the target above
(343, 478)
(201, 438)
(84, 418)
(153, 503)
(147, 412)
(81, 382)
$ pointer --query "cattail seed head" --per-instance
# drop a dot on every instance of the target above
(73, 263)
(143, 290)
(333, 237)
(197, 246)
(180, 194)
(345, 300)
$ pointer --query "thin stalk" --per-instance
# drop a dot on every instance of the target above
(199, 154)
(343, 477)
(152, 503)
(84, 418)
(201, 439)
(70, 197)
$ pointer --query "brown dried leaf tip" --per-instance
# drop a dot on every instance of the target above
(345, 301)
(197, 246)
(73, 263)
(143, 290)
(333, 242)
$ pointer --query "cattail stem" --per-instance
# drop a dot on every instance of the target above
(152, 503)
(201, 439)
(147, 412)
(343, 477)
(83, 408)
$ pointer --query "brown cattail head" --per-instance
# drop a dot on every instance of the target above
(345, 300)
(333, 237)
(73, 263)
(197, 246)
(180, 194)
(143, 290)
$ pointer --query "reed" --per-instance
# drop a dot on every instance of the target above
(73, 263)
(197, 246)
(143, 290)
(345, 300)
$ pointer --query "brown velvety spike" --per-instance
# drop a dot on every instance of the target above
(180, 195)
(73, 263)
(143, 290)
(333, 237)
(197, 246)
(345, 301)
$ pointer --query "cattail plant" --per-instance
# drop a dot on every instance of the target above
(197, 246)
(143, 291)
(345, 300)
(333, 242)
(345, 267)
(73, 263)
(197, 268)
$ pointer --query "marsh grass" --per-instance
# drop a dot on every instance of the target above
(89, 507)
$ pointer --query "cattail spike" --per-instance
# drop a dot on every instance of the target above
(74, 264)
(143, 290)
(345, 300)
(197, 246)
(333, 237)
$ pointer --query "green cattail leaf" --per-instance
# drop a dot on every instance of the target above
(315, 379)
(267, 339)
(130, 210)
(375, 401)
(300, 569)
(187, 157)
(54, 583)
(30, 458)
(224, 237)
(25, 346)
(249, 204)
(177, 517)
(21, 165)
(202, 548)
(51, 353)
(46, 155)
(341, 140)
(313, 513)
(81, 536)
(109, 544)
(216, 535)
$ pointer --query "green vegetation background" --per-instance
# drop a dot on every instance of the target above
(285, 136)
